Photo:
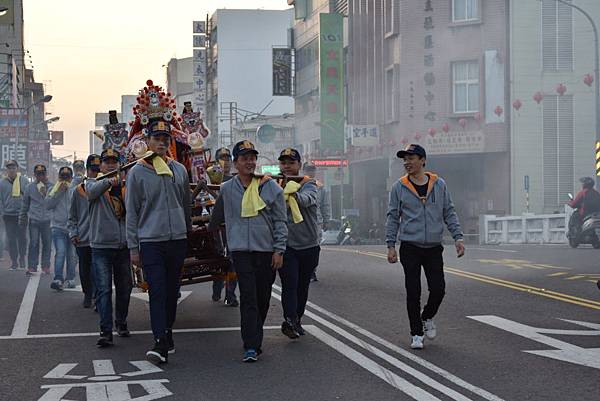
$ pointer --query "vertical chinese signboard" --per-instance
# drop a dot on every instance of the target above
(39, 152)
(199, 67)
(331, 71)
(282, 72)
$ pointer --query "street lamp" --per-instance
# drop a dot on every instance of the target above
(3, 11)
(45, 99)
(596, 81)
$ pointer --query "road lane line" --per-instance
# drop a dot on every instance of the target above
(103, 367)
(366, 363)
(588, 303)
(21, 327)
(393, 361)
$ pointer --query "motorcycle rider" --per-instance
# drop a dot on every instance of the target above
(586, 202)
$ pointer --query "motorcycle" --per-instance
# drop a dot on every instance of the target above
(586, 232)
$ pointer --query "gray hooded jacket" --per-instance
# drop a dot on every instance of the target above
(421, 221)
(79, 215)
(106, 230)
(11, 205)
(305, 234)
(59, 204)
(266, 232)
(158, 207)
(34, 204)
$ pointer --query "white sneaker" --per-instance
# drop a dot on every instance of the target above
(417, 342)
(429, 329)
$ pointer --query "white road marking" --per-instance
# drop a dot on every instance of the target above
(145, 368)
(491, 250)
(567, 352)
(103, 367)
(21, 327)
(140, 332)
(384, 374)
(61, 370)
(406, 354)
(145, 297)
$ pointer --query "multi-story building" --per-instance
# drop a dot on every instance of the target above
(433, 73)
(552, 136)
(239, 73)
(12, 55)
(180, 81)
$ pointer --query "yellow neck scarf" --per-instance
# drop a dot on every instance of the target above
(288, 192)
(16, 186)
(158, 163)
(252, 203)
(56, 186)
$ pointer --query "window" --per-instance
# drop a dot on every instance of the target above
(307, 55)
(392, 17)
(557, 36)
(465, 81)
(392, 95)
(465, 10)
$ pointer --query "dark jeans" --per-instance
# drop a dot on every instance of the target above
(412, 258)
(39, 233)
(86, 275)
(16, 238)
(255, 277)
(65, 254)
(108, 263)
(162, 263)
(230, 286)
(298, 267)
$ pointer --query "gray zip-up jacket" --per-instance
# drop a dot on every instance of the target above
(421, 221)
(106, 230)
(11, 205)
(158, 207)
(59, 204)
(324, 205)
(79, 215)
(305, 234)
(34, 204)
(266, 232)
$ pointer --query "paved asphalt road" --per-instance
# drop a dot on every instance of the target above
(518, 323)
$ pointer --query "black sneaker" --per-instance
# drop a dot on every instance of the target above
(56, 285)
(13, 267)
(300, 329)
(287, 328)
(170, 342)
(105, 340)
(216, 298)
(87, 302)
(159, 353)
(232, 303)
(122, 330)
(22, 264)
(313, 277)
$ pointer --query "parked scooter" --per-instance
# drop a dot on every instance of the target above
(348, 234)
(584, 232)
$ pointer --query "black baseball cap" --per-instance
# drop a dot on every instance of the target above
(159, 128)
(290, 153)
(79, 163)
(242, 148)
(109, 154)
(65, 170)
(222, 152)
(92, 161)
(11, 163)
(412, 149)
(39, 168)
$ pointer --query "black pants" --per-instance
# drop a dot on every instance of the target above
(86, 272)
(412, 258)
(255, 278)
(16, 238)
(298, 267)
(162, 263)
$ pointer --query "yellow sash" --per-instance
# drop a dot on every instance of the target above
(57, 186)
(252, 203)
(288, 192)
(16, 186)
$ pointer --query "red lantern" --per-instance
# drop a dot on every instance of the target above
(538, 97)
(462, 122)
(498, 111)
(418, 136)
(431, 132)
(445, 127)
(561, 89)
(588, 79)
(517, 104)
(404, 141)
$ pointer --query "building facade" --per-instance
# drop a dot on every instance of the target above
(239, 72)
(552, 134)
(180, 80)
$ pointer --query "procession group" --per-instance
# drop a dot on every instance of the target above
(271, 227)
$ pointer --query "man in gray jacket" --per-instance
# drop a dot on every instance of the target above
(256, 238)
(34, 214)
(79, 228)
(323, 206)
(11, 198)
(58, 201)
(420, 205)
(110, 256)
(158, 206)
(302, 252)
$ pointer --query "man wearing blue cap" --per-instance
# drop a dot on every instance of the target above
(11, 198)
(158, 204)
(420, 205)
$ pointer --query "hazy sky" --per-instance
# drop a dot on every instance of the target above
(89, 53)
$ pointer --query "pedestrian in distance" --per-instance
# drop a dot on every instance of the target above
(110, 256)
(323, 206)
(158, 203)
(58, 202)
(11, 198)
(419, 207)
(79, 170)
(302, 252)
(35, 216)
(254, 212)
(79, 229)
